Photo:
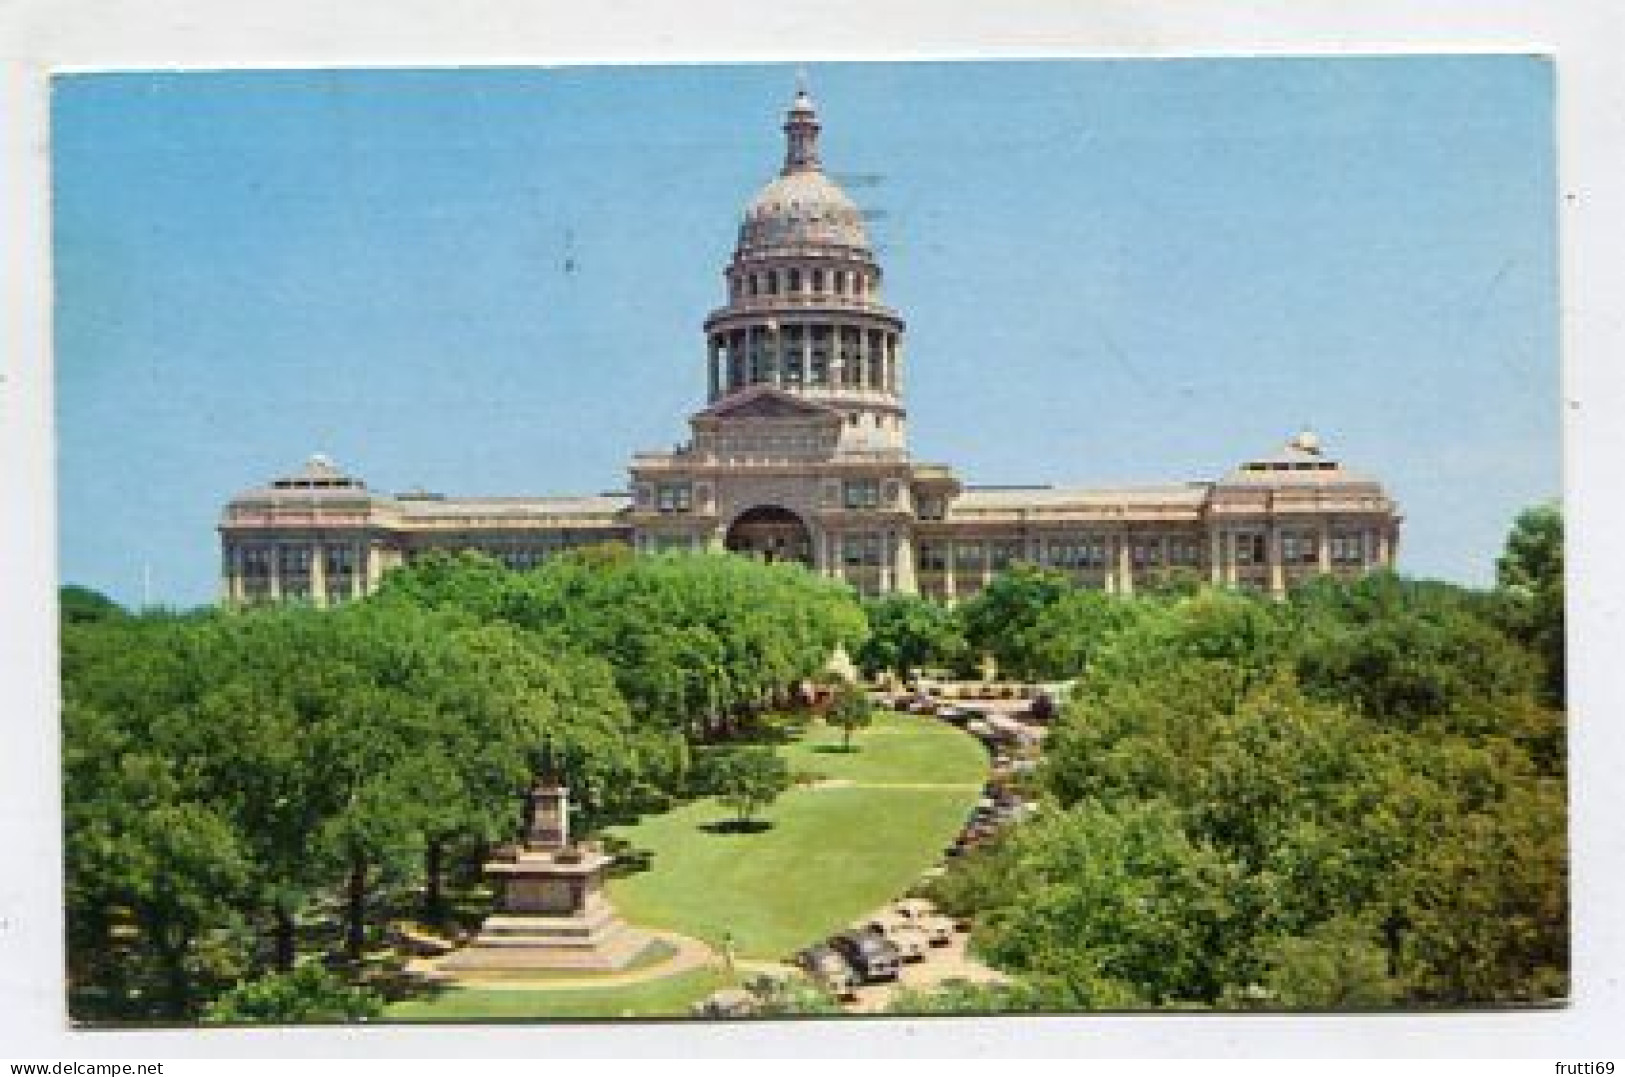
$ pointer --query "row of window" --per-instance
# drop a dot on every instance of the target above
(295, 560)
(1180, 551)
(794, 281)
(255, 590)
(798, 369)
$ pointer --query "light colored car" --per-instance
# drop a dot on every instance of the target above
(912, 943)
(921, 914)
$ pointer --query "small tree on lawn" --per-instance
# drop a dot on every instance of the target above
(849, 711)
(750, 778)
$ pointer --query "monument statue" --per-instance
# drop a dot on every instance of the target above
(551, 911)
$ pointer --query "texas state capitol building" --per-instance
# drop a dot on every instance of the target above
(802, 455)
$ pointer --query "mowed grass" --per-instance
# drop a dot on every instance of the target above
(901, 748)
(831, 854)
(669, 997)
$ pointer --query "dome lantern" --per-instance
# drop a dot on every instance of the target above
(801, 135)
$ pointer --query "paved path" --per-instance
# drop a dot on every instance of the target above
(690, 953)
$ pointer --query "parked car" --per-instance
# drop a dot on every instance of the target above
(912, 943)
(828, 969)
(872, 956)
(938, 929)
(728, 1002)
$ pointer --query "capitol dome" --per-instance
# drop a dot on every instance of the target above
(802, 206)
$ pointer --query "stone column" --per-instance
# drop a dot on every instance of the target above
(807, 356)
(231, 577)
(1384, 552)
(1272, 557)
(358, 554)
(318, 575)
(867, 380)
(714, 353)
(950, 562)
(1125, 565)
(906, 581)
(1323, 546)
(987, 562)
(888, 558)
(372, 566)
(1215, 555)
(274, 581)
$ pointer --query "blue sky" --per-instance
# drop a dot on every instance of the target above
(491, 281)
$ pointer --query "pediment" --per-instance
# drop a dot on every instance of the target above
(766, 402)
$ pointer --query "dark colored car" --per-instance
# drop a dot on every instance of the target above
(872, 956)
(829, 969)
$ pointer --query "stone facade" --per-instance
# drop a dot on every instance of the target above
(802, 454)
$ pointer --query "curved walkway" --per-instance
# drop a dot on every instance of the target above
(689, 954)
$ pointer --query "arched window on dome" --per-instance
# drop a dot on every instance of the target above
(840, 282)
(773, 282)
(818, 281)
(755, 285)
(795, 281)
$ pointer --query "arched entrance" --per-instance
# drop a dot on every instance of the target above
(771, 533)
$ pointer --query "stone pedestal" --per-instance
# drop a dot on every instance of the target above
(551, 909)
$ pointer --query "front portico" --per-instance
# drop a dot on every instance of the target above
(772, 533)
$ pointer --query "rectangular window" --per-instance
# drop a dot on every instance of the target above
(1146, 552)
(673, 497)
(861, 494)
(860, 550)
(933, 557)
(1004, 553)
(1249, 549)
(969, 556)
(1299, 548)
(1348, 549)
(1186, 552)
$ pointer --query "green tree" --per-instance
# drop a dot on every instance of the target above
(1114, 906)
(79, 605)
(1529, 575)
(849, 710)
(1340, 965)
(907, 632)
(748, 779)
(304, 995)
(997, 618)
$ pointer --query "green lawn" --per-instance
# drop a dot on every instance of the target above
(896, 748)
(831, 854)
(670, 997)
